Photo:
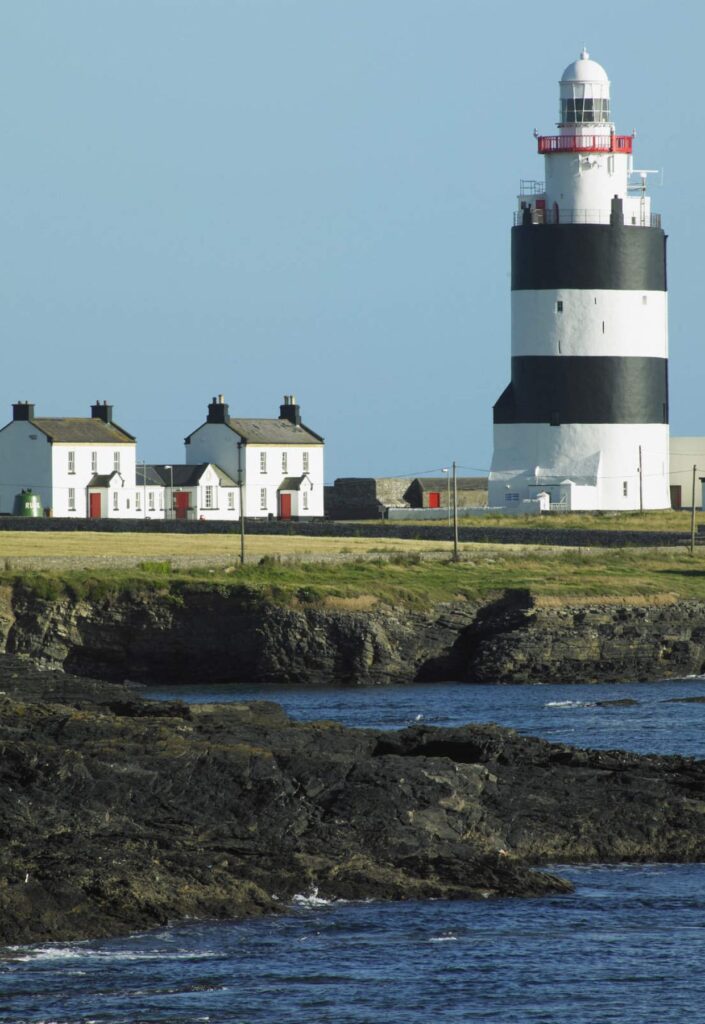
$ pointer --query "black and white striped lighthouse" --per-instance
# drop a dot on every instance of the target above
(585, 417)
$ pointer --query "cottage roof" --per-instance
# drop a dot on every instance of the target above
(464, 483)
(103, 479)
(293, 483)
(271, 431)
(81, 430)
(181, 475)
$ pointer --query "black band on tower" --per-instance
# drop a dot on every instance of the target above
(585, 389)
(588, 256)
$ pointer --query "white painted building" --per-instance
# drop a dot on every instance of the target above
(686, 453)
(59, 459)
(279, 462)
(585, 417)
(202, 492)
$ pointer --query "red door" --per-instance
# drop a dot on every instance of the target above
(285, 506)
(434, 499)
(94, 506)
(181, 504)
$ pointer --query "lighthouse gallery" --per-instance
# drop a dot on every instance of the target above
(585, 417)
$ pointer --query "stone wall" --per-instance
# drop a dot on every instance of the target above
(364, 497)
(552, 535)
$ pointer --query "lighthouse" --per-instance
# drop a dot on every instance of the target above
(585, 416)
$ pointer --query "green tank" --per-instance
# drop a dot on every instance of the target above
(28, 504)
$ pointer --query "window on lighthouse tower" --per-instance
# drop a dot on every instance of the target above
(585, 109)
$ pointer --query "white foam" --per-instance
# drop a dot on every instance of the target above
(444, 938)
(568, 704)
(27, 954)
(312, 899)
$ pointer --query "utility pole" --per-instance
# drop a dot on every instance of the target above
(456, 556)
(242, 503)
(692, 515)
(641, 482)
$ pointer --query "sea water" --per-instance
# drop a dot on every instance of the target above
(627, 947)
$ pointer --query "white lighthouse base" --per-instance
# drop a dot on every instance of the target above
(582, 466)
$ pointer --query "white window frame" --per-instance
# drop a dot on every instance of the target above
(72, 499)
(94, 462)
(138, 501)
(151, 503)
(231, 501)
(263, 462)
(285, 462)
(116, 501)
(304, 496)
(116, 462)
(208, 496)
(263, 499)
(72, 462)
(305, 461)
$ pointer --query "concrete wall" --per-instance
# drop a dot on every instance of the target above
(687, 452)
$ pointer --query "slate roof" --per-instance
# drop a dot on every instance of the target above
(102, 479)
(464, 483)
(81, 430)
(183, 476)
(292, 483)
(279, 431)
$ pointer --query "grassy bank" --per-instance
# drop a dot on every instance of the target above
(551, 575)
(668, 521)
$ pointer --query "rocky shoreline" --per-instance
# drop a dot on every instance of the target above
(120, 814)
(217, 634)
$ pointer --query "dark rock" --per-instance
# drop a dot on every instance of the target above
(152, 637)
(118, 814)
(624, 702)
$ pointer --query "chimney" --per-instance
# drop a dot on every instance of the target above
(290, 410)
(23, 411)
(102, 411)
(218, 410)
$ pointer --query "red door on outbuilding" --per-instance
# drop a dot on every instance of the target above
(434, 499)
(181, 504)
(94, 506)
(285, 506)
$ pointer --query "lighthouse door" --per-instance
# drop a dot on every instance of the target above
(556, 214)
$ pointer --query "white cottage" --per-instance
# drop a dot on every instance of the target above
(199, 492)
(61, 458)
(278, 462)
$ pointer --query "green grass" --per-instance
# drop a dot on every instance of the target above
(408, 582)
(668, 521)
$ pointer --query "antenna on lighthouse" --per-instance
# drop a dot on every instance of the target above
(641, 187)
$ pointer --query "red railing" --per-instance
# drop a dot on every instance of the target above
(585, 143)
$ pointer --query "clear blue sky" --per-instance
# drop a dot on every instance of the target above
(313, 196)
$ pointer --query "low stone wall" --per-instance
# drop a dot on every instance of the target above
(551, 535)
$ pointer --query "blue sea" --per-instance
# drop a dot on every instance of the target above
(627, 947)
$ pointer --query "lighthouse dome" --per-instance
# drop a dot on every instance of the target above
(585, 93)
(585, 70)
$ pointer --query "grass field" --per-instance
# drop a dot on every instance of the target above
(216, 546)
(669, 521)
(395, 572)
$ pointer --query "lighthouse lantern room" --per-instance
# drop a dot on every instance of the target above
(585, 416)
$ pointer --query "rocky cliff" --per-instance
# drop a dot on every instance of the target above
(215, 633)
(118, 814)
